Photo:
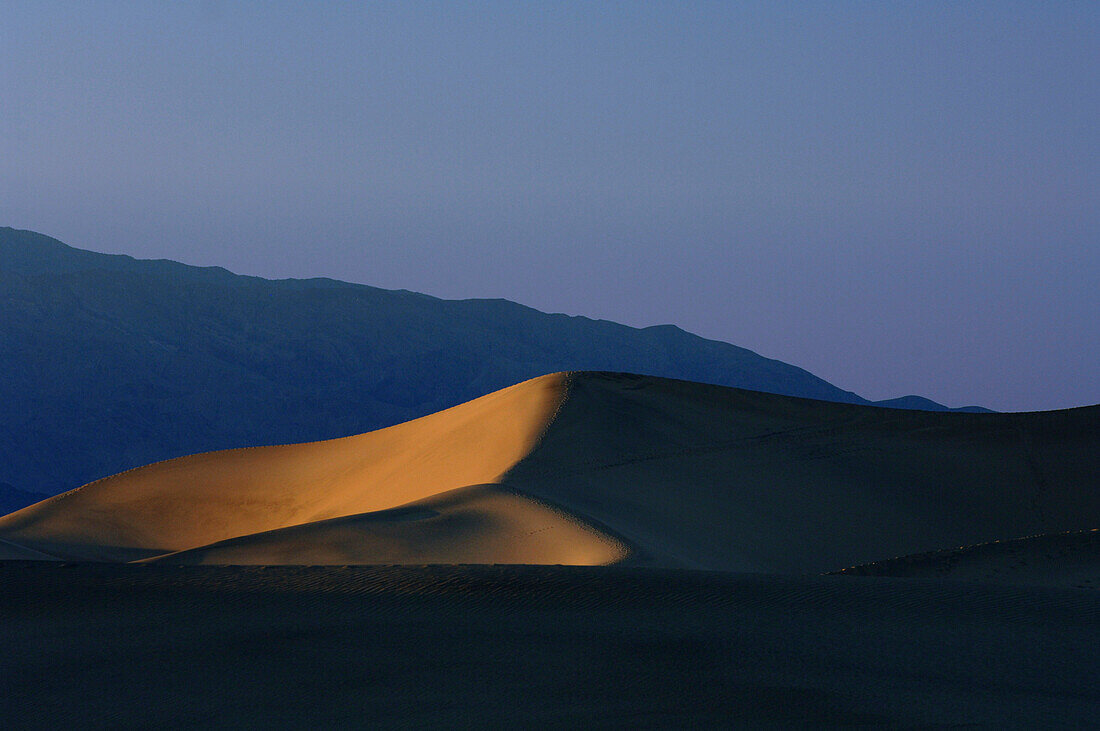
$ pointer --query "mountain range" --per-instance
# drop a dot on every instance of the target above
(112, 362)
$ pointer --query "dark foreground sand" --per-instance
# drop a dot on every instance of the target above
(108, 645)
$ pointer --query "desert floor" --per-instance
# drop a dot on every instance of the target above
(112, 645)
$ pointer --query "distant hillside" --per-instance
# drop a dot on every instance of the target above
(12, 499)
(919, 403)
(112, 362)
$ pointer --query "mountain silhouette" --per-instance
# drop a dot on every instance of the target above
(12, 498)
(112, 362)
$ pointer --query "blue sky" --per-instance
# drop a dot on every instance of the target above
(899, 197)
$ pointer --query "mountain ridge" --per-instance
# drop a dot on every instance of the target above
(116, 362)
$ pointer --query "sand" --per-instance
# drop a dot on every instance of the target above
(482, 524)
(109, 645)
(1070, 560)
(202, 499)
(259, 591)
(13, 552)
(725, 479)
(595, 468)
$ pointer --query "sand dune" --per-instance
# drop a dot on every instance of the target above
(194, 501)
(718, 478)
(1069, 560)
(12, 552)
(480, 524)
(667, 473)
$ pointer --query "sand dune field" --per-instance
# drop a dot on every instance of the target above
(601, 468)
(659, 546)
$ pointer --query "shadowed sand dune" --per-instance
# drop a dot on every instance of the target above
(718, 478)
(12, 552)
(646, 470)
(1063, 559)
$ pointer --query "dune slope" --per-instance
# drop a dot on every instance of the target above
(1068, 560)
(480, 524)
(12, 552)
(717, 478)
(194, 501)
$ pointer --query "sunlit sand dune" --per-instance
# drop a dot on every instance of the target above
(198, 500)
(480, 524)
(594, 468)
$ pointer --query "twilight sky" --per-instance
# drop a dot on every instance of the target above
(900, 198)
